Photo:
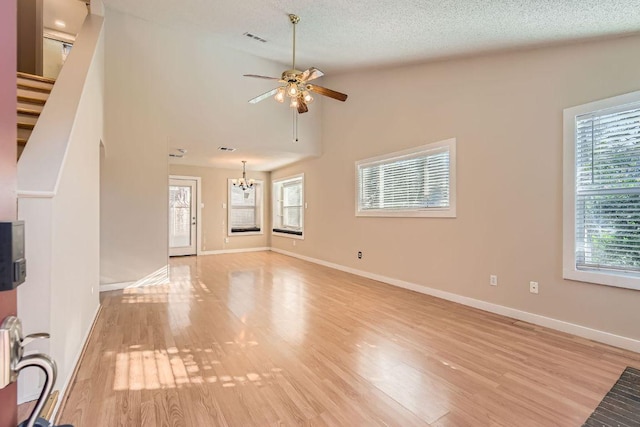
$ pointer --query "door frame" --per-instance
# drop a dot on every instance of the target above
(8, 174)
(198, 181)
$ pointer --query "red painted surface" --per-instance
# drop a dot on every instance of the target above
(8, 134)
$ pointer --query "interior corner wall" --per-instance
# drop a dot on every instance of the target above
(214, 217)
(506, 111)
(134, 169)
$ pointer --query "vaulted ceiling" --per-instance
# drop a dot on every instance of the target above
(340, 35)
(204, 50)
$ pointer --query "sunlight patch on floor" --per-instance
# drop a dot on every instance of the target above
(172, 368)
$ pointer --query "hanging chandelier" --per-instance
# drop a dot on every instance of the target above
(243, 183)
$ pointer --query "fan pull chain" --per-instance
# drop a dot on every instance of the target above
(295, 126)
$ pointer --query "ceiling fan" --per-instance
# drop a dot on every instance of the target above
(296, 83)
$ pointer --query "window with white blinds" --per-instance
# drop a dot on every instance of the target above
(288, 206)
(415, 182)
(245, 209)
(606, 194)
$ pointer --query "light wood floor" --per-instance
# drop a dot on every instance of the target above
(264, 339)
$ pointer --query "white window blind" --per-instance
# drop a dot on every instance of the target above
(292, 205)
(288, 203)
(418, 181)
(244, 209)
(607, 190)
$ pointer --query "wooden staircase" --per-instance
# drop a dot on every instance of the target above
(33, 92)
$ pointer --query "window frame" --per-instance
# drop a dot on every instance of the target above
(276, 231)
(569, 269)
(258, 186)
(448, 212)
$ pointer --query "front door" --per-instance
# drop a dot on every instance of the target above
(183, 217)
(8, 153)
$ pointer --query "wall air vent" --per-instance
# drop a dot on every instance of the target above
(253, 36)
(226, 149)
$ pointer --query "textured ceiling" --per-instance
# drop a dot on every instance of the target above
(341, 34)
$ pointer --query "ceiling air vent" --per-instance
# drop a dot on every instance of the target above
(253, 36)
(226, 149)
(180, 153)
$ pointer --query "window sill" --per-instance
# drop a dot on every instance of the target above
(618, 280)
(299, 235)
(417, 213)
(245, 232)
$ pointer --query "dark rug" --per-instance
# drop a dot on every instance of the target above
(621, 406)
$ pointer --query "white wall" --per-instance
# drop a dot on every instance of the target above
(135, 165)
(76, 232)
(506, 112)
(60, 206)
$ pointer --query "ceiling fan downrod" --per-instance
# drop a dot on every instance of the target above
(296, 83)
(294, 20)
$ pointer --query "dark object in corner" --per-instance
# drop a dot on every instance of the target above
(621, 406)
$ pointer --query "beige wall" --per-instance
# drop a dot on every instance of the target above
(214, 216)
(506, 112)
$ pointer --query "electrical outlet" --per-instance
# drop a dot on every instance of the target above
(493, 280)
(533, 287)
(359, 254)
(294, 243)
(226, 240)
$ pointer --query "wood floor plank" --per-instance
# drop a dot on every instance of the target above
(259, 339)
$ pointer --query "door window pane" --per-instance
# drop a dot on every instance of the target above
(179, 216)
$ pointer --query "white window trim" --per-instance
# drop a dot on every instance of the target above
(569, 270)
(273, 203)
(260, 215)
(449, 212)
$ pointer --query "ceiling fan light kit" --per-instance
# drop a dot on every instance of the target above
(296, 83)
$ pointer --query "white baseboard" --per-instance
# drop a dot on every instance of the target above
(234, 251)
(76, 361)
(536, 319)
(115, 286)
(158, 277)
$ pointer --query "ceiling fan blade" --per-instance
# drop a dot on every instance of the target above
(256, 76)
(302, 106)
(327, 92)
(311, 74)
(263, 96)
